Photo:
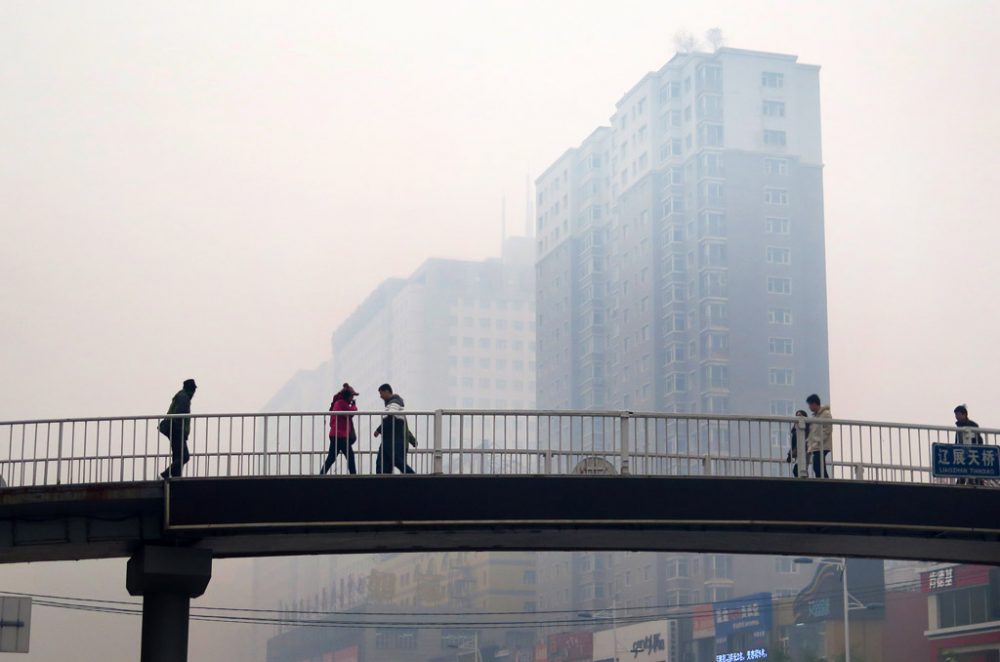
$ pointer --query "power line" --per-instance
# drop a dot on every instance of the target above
(362, 619)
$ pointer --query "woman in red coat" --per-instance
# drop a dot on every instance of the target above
(342, 435)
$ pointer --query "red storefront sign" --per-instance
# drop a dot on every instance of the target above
(957, 576)
(570, 646)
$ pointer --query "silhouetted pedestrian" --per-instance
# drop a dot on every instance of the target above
(793, 436)
(342, 435)
(393, 430)
(819, 441)
(962, 420)
(178, 429)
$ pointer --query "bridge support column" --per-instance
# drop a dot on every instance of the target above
(167, 578)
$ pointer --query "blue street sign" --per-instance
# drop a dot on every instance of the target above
(966, 461)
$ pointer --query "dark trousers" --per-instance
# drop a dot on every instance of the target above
(178, 453)
(338, 446)
(817, 465)
(392, 453)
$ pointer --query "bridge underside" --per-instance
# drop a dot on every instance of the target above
(236, 517)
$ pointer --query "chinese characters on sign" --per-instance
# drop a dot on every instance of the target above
(740, 656)
(941, 578)
(966, 460)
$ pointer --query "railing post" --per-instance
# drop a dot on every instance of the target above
(264, 469)
(59, 456)
(706, 465)
(801, 449)
(438, 431)
(625, 433)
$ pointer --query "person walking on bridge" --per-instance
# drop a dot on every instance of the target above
(819, 441)
(793, 435)
(342, 434)
(392, 452)
(962, 420)
(178, 429)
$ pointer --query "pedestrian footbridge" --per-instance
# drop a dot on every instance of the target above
(525, 480)
(487, 480)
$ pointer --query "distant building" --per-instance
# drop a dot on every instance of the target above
(680, 251)
(963, 607)
(455, 334)
(425, 583)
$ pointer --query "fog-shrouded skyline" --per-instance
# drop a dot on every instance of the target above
(207, 191)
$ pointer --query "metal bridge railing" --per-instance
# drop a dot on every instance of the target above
(484, 442)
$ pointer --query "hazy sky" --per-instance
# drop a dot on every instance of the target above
(207, 189)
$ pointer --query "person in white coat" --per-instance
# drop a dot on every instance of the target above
(819, 443)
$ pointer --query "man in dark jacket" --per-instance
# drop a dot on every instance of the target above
(178, 429)
(392, 452)
(962, 420)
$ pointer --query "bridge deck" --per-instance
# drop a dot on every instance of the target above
(304, 515)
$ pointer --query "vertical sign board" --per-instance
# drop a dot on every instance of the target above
(15, 624)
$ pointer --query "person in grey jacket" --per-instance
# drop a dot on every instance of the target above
(178, 429)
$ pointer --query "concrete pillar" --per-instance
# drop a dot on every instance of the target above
(167, 578)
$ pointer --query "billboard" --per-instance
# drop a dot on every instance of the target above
(743, 627)
(570, 646)
(645, 642)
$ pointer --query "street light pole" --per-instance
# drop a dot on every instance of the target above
(614, 625)
(847, 620)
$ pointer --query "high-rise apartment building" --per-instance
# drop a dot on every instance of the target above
(681, 268)
(680, 251)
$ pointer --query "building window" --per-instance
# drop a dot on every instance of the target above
(715, 376)
(777, 285)
(710, 135)
(776, 196)
(712, 224)
(676, 383)
(776, 166)
(678, 568)
(713, 254)
(778, 255)
(712, 193)
(780, 377)
(718, 567)
(782, 408)
(709, 77)
(966, 606)
(775, 138)
(777, 226)
(779, 316)
(772, 80)
(774, 108)
(709, 107)
(779, 345)
(714, 344)
(710, 164)
(715, 404)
